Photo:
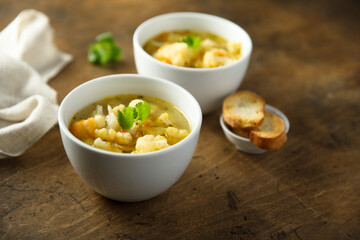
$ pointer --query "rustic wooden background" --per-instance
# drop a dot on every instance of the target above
(305, 61)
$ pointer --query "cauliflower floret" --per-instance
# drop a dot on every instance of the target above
(216, 57)
(118, 108)
(100, 121)
(175, 135)
(104, 134)
(163, 120)
(134, 102)
(111, 119)
(208, 44)
(123, 138)
(150, 143)
(98, 143)
(112, 136)
(178, 54)
(98, 111)
(234, 48)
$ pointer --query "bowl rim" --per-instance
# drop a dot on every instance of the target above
(65, 130)
(189, 14)
(268, 107)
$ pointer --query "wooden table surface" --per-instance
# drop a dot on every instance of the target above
(305, 61)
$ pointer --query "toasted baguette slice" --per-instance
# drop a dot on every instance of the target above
(244, 109)
(271, 134)
(241, 132)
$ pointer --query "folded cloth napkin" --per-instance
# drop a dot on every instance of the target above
(28, 59)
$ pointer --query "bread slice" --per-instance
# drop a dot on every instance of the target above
(244, 109)
(271, 134)
(241, 132)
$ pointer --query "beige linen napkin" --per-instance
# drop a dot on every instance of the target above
(28, 59)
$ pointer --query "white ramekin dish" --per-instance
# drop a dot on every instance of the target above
(121, 176)
(208, 85)
(244, 144)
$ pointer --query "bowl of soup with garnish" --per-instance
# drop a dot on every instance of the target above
(206, 54)
(130, 137)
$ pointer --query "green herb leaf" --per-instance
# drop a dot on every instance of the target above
(126, 117)
(129, 115)
(105, 37)
(143, 110)
(192, 41)
(93, 55)
(104, 50)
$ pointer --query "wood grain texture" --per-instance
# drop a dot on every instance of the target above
(305, 61)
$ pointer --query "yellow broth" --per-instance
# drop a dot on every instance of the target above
(212, 51)
(97, 125)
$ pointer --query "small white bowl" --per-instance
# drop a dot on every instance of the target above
(244, 144)
(121, 176)
(208, 85)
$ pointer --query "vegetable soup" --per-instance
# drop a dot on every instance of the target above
(130, 124)
(195, 49)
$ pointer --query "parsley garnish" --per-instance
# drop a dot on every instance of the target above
(192, 41)
(143, 111)
(126, 118)
(129, 115)
(104, 50)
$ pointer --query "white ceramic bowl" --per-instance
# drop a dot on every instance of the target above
(208, 85)
(121, 176)
(244, 144)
